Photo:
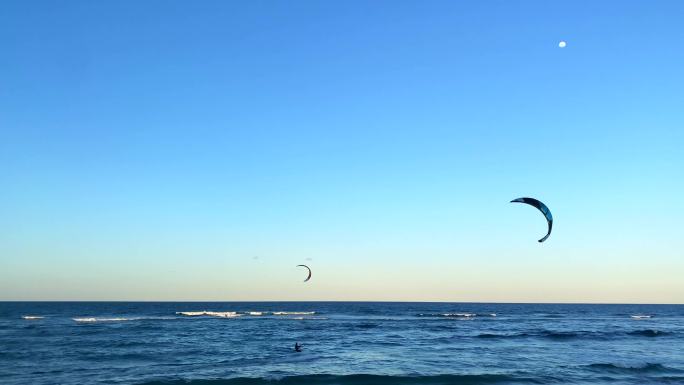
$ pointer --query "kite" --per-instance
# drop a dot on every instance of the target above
(541, 207)
(307, 267)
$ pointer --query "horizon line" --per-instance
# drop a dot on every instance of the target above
(347, 301)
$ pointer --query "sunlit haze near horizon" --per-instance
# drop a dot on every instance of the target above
(168, 150)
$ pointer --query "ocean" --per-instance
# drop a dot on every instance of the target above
(238, 343)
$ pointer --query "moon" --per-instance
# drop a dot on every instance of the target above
(307, 267)
(562, 44)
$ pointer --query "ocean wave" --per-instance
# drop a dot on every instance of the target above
(553, 335)
(502, 336)
(32, 317)
(367, 379)
(95, 319)
(117, 319)
(644, 368)
(366, 325)
(640, 316)
(234, 314)
(221, 314)
(293, 312)
(312, 318)
(456, 315)
(648, 333)
(552, 316)
(569, 335)
(447, 315)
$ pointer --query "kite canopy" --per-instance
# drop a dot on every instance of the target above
(307, 267)
(541, 207)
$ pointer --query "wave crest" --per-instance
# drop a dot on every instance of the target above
(645, 368)
(95, 319)
(294, 313)
(221, 314)
(648, 333)
(32, 317)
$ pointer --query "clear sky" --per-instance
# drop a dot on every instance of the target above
(177, 150)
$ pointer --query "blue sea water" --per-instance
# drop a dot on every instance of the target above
(344, 343)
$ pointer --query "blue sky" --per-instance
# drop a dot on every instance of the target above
(150, 150)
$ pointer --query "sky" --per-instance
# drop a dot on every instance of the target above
(177, 150)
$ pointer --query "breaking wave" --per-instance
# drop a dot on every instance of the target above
(32, 317)
(95, 319)
(456, 315)
(293, 313)
(303, 318)
(234, 314)
(221, 314)
(117, 319)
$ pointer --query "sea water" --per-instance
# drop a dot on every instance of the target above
(343, 343)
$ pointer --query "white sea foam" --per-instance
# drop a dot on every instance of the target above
(640, 316)
(303, 318)
(294, 312)
(118, 319)
(222, 314)
(190, 313)
(96, 319)
(32, 317)
(225, 314)
(459, 315)
(255, 313)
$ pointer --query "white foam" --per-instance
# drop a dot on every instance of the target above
(255, 313)
(222, 314)
(32, 317)
(294, 312)
(190, 313)
(463, 315)
(95, 319)
(118, 319)
(225, 314)
(640, 316)
(303, 318)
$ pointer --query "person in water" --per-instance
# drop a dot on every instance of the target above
(298, 347)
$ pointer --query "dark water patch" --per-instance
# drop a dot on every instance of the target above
(367, 379)
(644, 368)
(649, 333)
(546, 334)
(552, 316)
(367, 326)
(573, 335)
(502, 336)
(563, 336)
